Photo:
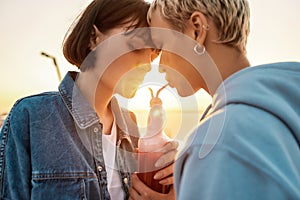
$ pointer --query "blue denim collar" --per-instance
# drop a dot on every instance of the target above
(83, 114)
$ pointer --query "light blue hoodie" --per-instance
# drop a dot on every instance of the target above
(248, 146)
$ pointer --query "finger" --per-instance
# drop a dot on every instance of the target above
(171, 145)
(139, 186)
(165, 172)
(143, 191)
(166, 159)
(133, 194)
(167, 181)
(139, 189)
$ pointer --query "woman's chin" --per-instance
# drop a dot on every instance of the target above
(129, 94)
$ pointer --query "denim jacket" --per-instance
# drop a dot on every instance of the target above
(51, 147)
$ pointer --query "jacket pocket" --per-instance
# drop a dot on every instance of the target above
(59, 187)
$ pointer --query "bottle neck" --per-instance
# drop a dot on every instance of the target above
(155, 138)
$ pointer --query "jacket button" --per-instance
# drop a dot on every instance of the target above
(99, 168)
(125, 180)
(96, 130)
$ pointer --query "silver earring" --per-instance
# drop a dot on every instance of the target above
(200, 50)
(205, 27)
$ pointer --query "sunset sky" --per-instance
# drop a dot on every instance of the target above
(31, 26)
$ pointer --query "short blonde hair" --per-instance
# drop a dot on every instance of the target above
(231, 17)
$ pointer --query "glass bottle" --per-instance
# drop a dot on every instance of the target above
(150, 145)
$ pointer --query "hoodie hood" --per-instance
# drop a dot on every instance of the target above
(274, 88)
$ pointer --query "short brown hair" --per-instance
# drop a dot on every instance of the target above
(105, 15)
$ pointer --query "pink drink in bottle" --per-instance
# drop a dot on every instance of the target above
(151, 144)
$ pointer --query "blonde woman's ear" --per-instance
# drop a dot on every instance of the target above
(199, 26)
(95, 38)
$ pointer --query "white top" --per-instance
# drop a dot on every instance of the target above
(109, 152)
